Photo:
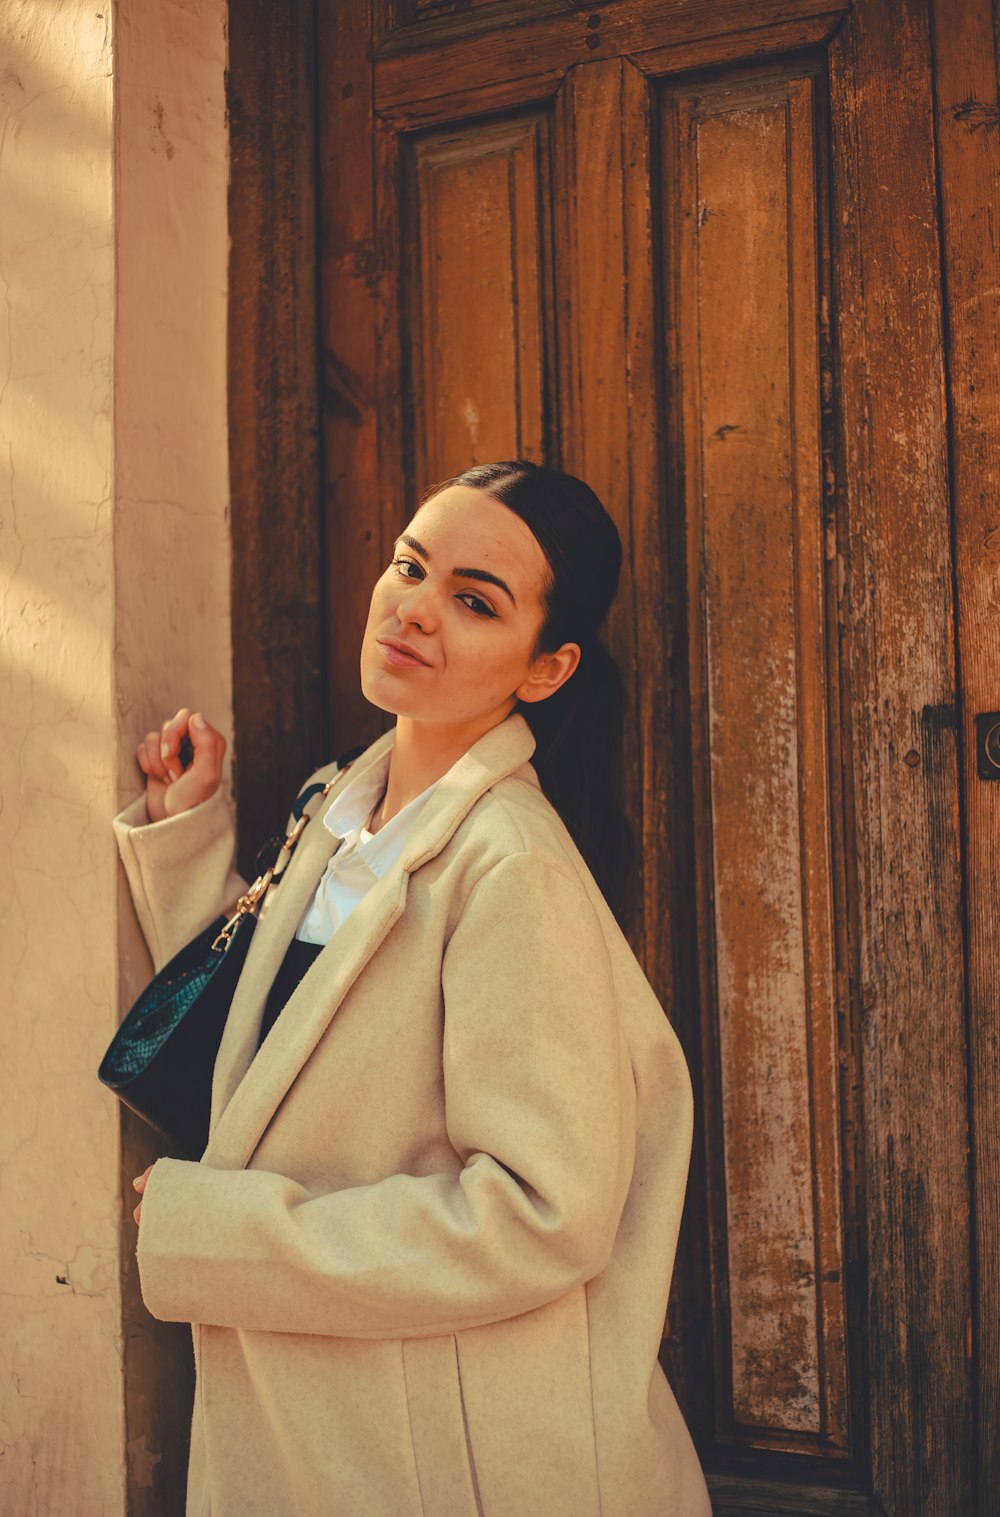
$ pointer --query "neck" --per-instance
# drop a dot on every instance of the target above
(421, 753)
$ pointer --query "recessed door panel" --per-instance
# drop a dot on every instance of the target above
(474, 270)
(741, 206)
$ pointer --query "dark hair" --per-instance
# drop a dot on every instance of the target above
(578, 729)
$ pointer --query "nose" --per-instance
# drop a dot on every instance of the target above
(416, 606)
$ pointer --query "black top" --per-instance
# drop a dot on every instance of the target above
(293, 966)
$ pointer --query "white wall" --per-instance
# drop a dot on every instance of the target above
(114, 607)
(171, 533)
(60, 1391)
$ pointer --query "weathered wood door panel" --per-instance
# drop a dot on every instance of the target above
(747, 266)
(677, 247)
(966, 51)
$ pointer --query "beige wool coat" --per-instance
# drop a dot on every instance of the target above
(427, 1251)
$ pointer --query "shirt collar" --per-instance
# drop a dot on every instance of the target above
(349, 812)
(352, 807)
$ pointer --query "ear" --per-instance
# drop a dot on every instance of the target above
(549, 672)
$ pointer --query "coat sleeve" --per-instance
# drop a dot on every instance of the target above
(539, 1106)
(181, 871)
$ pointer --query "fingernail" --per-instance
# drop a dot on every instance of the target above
(198, 720)
(164, 750)
(135, 1182)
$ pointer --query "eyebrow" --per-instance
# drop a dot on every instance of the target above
(483, 574)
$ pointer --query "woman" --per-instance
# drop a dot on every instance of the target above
(427, 1251)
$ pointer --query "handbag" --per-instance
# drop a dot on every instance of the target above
(161, 1060)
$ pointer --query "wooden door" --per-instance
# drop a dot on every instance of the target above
(689, 250)
(600, 239)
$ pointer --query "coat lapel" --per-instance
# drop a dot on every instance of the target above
(249, 1084)
(279, 916)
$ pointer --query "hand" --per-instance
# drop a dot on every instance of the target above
(171, 785)
(140, 1186)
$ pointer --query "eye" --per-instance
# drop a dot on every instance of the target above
(472, 602)
(480, 608)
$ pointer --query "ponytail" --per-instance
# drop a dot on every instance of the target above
(578, 737)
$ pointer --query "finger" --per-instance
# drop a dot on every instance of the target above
(170, 739)
(139, 1183)
(145, 762)
(136, 1212)
(208, 747)
(154, 758)
(204, 735)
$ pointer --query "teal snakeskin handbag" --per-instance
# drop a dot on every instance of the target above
(161, 1059)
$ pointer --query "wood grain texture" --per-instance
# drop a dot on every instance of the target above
(474, 288)
(607, 384)
(402, 23)
(278, 571)
(746, 1496)
(967, 121)
(900, 730)
(422, 62)
(357, 278)
(746, 326)
(419, 10)
(611, 399)
(489, 93)
(750, 45)
(483, 98)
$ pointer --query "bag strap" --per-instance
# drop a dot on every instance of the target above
(344, 762)
(302, 800)
(302, 817)
(248, 904)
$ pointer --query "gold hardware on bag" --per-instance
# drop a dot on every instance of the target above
(246, 903)
(226, 935)
(296, 832)
(251, 900)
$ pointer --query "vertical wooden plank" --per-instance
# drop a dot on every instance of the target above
(393, 490)
(278, 571)
(697, 1317)
(355, 270)
(747, 543)
(745, 323)
(899, 708)
(967, 116)
(608, 403)
(473, 288)
(825, 1001)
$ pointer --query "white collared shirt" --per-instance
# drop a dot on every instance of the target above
(363, 857)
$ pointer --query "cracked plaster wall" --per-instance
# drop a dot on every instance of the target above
(114, 608)
(171, 536)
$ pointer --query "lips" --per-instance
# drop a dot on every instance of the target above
(400, 654)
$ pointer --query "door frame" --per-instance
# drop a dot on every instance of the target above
(274, 386)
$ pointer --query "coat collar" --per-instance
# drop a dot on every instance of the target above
(249, 1084)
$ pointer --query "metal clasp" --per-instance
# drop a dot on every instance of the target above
(222, 942)
(258, 889)
(247, 903)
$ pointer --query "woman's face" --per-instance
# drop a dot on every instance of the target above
(464, 593)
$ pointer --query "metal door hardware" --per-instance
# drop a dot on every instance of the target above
(988, 745)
